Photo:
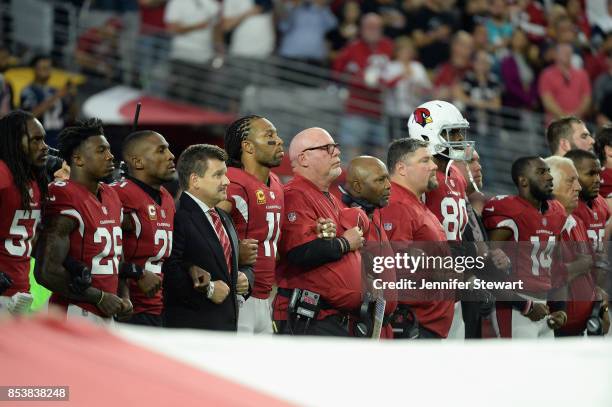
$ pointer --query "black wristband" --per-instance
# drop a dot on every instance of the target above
(131, 270)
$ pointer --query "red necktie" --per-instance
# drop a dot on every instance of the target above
(223, 238)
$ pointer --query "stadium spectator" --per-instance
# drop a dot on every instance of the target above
(452, 71)
(602, 93)
(97, 50)
(434, 24)
(6, 89)
(474, 13)
(566, 134)
(481, 38)
(407, 86)
(518, 75)
(250, 26)
(191, 23)
(329, 267)
(55, 108)
(603, 149)
(480, 91)
(392, 13)
(564, 90)
(347, 30)
(530, 16)
(153, 39)
(203, 297)
(361, 63)
(23, 189)
(304, 27)
(499, 28)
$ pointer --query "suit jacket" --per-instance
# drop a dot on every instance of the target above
(196, 243)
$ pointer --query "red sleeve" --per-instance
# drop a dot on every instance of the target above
(237, 196)
(299, 225)
(60, 199)
(397, 224)
(127, 201)
(492, 215)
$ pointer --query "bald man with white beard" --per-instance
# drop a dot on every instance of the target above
(327, 270)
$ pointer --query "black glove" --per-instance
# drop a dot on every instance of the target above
(5, 282)
(80, 275)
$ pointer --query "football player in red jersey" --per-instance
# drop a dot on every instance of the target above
(531, 216)
(368, 187)
(82, 225)
(255, 201)
(23, 187)
(148, 220)
(575, 248)
(408, 219)
(594, 212)
(444, 128)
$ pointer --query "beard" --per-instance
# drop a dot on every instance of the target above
(432, 184)
(539, 193)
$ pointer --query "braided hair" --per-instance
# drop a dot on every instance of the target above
(71, 137)
(13, 127)
(234, 135)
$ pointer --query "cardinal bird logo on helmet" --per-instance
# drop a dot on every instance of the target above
(422, 116)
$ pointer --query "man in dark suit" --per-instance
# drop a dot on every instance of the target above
(201, 277)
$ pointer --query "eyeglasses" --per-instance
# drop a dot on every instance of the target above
(327, 147)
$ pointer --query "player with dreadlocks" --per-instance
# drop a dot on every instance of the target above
(23, 188)
(255, 202)
(82, 233)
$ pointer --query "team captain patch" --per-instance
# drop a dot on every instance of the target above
(261, 197)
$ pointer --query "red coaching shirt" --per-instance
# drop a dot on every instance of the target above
(96, 241)
(338, 282)
(581, 293)
(258, 214)
(377, 244)
(151, 242)
(533, 262)
(17, 229)
(447, 202)
(407, 219)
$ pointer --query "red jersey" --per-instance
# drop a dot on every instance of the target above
(532, 265)
(96, 241)
(595, 216)
(605, 189)
(408, 219)
(151, 242)
(581, 289)
(17, 229)
(447, 202)
(257, 214)
(338, 282)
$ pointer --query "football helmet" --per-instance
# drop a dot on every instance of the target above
(435, 122)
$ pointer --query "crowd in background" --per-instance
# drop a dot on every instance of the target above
(549, 56)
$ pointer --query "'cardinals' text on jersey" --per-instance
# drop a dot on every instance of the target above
(448, 203)
(533, 263)
(96, 240)
(258, 214)
(151, 242)
(17, 229)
